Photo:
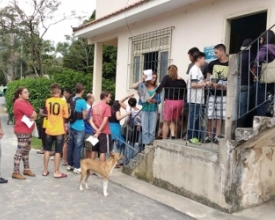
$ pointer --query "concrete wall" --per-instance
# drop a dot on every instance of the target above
(256, 165)
(192, 172)
(201, 24)
(105, 7)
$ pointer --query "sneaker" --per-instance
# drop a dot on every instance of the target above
(2, 180)
(77, 171)
(70, 168)
(207, 139)
(194, 141)
(216, 140)
(52, 157)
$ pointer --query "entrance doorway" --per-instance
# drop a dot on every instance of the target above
(246, 27)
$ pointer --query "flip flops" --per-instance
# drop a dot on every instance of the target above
(46, 173)
(40, 152)
(63, 175)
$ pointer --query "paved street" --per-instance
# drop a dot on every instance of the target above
(48, 198)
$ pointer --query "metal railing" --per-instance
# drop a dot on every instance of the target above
(255, 88)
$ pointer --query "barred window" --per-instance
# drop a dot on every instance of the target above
(149, 51)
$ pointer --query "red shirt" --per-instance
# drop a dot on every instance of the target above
(100, 111)
(21, 108)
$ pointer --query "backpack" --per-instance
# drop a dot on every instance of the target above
(74, 115)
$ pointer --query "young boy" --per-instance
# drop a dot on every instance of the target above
(57, 110)
(195, 97)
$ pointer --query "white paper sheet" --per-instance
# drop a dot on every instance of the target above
(27, 121)
(92, 140)
(149, 74)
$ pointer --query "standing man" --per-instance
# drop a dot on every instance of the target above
(99, 121)
(2, 180)
(77, 130)
(68, 96)
(217, 72)
(57, 110)
(191, 58)
(88, 128)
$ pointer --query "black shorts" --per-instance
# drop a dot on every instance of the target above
(104, 144)
(59, 142)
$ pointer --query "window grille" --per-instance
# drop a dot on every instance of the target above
(150, 50)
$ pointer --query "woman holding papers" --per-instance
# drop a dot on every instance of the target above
(25, 117)
(146, 87)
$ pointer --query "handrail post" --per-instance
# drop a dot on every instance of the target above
(232, 97)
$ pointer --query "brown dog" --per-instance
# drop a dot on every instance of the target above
(104, 169)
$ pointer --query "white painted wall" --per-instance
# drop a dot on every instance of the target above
(200, 24)
(105, 7)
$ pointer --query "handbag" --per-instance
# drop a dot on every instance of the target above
(268, 72)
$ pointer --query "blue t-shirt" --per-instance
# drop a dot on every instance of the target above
(80, 106)
(88, 128)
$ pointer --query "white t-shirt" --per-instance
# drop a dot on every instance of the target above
(136, 114)
(195, 95)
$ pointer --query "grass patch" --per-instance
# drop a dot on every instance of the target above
(36, 143)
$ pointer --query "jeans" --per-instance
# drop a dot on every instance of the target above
(119, 149)
(244, 100)
(260, 90)
(76, 141)
(194, 120)
(59, 143)
(148, 124)
(131, 152)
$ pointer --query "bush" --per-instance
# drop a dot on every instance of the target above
(39, 88)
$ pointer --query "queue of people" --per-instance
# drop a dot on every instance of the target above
(67, 120)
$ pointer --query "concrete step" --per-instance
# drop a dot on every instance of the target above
(243, 134)
(132, 164)
(148, 148)
(139, 157)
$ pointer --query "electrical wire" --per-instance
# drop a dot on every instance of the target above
(126, 19)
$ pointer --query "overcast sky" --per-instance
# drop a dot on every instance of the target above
(56, 33)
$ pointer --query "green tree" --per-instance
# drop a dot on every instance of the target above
(32, 27)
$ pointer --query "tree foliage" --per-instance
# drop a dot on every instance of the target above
(30, 28)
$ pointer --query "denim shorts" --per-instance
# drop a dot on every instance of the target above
(59, 142)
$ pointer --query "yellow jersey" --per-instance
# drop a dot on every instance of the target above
(57, 110)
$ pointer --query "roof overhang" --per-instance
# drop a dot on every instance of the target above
(145, 10)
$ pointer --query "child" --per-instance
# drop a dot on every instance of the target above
(195, 97)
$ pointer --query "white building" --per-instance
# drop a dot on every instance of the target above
(156, 33)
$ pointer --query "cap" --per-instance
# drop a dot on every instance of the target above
(246, 45)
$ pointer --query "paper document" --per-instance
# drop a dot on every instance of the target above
(27, 121)
(149, 74)
(92, 140)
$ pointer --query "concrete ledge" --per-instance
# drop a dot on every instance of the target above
(197, 152)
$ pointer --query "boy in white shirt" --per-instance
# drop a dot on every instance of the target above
(195, 97)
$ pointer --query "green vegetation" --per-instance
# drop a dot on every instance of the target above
(39, 87)
(36, 143)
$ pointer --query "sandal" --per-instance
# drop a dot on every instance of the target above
(46, 173)
(117, 165)
(40, 152)
(63, 175)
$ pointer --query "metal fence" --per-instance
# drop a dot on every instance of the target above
(256, 78)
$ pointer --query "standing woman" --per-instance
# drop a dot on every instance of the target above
(266, 55)
(114, 122)
(174, 88)
(23, 133)
(149, 113)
